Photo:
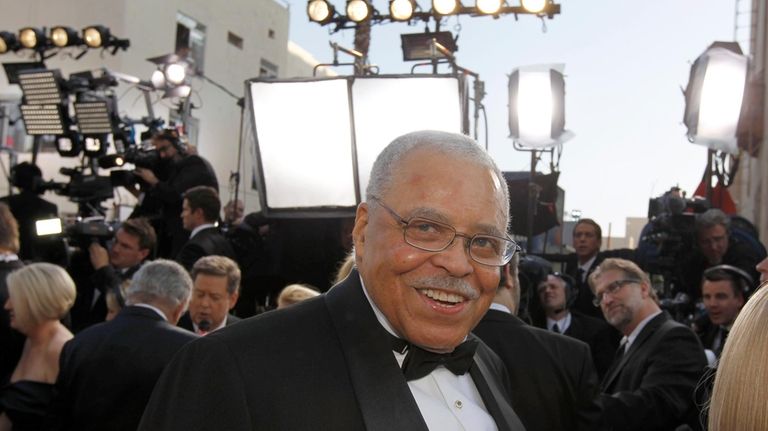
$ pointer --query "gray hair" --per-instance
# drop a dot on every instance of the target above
(712, 217)
(162, 281)
(452, 144)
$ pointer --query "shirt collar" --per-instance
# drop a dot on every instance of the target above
(588, 264)
(631, 337)
(221, 325)
(499, 307)
(8, 257)
(201, 227)
(562, 324)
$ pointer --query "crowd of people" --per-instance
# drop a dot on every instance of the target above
(423, 329)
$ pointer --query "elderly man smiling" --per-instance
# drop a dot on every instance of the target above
(388, 348)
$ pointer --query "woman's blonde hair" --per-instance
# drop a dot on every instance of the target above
(295, 293)
(740, 394)
(40, 292)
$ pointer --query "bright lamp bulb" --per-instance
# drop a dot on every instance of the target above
(60, 37)
(318, 10)
(489, 7)
(28, 38)
(357, 10)
(444, 7)
(534, 6)
(721, 97)
(3, 46)
(158, 79)
(401, 10)
(92, 37)
(175, 73)
(534, 106)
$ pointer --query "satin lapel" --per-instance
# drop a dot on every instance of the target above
(488, 385)
(386, 402)
(642, 337)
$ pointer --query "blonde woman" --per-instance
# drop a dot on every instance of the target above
(740, 394)
(39, 295)
(295, 293)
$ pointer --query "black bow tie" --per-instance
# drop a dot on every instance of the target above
(419, 362)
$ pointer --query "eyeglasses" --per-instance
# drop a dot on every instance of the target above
(612, 289)
(430, 235)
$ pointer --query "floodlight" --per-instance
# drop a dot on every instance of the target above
(96, 36)
(95, 146)
(93, 118)
(8, 42)
(445, 7)
(43, 119)
(158, 79)
(359, 10)
(320, 11)
(489, 7)
(48, 227)
(401, 10)
(31, 38)
(534, 6)
(537, 106)
(69, 144)
(175, 73)
(180, 91)
(40, 87)
(714, 96)
(64, 36)
(419, 46)
(111, 161)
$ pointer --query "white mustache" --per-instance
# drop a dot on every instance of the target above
(450, 284)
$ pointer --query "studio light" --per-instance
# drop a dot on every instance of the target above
(445, 7)
(8, 42)
(180, 91)
(93, 118)
(714, 96)
(111, 161)
(64, 36)
(175, 73)
(31, 38)
(401, 10)
(69, 144)
(95, 146)
(320, 11)
(43, 119)
(40, 87)
(96, 36)
(488, 7)
(537, 107)
(158, 79)
(534, 6)
(359, 10)
(48, 227)
(418, 46)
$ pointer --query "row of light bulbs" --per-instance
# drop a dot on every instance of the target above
(95, 36)
(322, 11)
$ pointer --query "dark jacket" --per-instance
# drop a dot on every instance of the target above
(207, 242)
(186, 322)
(602, 339)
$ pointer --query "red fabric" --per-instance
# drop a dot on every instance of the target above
(721, 197)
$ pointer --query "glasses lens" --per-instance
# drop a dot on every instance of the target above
(491, 250)
(428, 235)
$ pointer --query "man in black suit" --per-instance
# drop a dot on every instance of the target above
(724, 291)
(553, 382)
(214, 293)
(556, 295)
(389, 347)
(651, 383)
(199, 214)
(11, 341)
(107, 372)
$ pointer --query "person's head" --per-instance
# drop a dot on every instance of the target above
(508, 292)
(38, 293)
(762, 268)
(345, 268)
(587, 239)
(624, 293)
(723, 290)
(434, 191)
(216, 287)
(740, 392)
(168, 145)
(9, 230)
(712, 230)
(201, 205)
(164, 284)
(26, 177)
(295, 293)
(234, 212)
(134, 242)
(553, 295)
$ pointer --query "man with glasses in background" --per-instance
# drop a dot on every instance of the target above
(651, 382)
(390, 347)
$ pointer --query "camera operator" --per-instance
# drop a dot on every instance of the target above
(179, 172)
(717, 244)
(134, 243)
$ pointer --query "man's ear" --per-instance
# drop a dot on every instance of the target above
(144, 252)
(233, 299)
(359, 231)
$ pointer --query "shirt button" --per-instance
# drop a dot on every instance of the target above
(458, 404)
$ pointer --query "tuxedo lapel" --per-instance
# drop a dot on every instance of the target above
(642, 337)
(386, 402)
(488, 385)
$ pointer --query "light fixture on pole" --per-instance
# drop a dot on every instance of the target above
(402, 10)
(359, 10)
(489, 7)
(320, 11)
(8, 42)
(62, 36)
(32, 38)
(445, 7)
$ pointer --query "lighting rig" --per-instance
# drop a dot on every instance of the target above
(47, 43)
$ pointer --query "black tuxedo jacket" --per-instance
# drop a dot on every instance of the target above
(553, 382)
(323, 364)
(651, 387)
(107, 371)
(186, 322)
(602, 338)
(207, 242)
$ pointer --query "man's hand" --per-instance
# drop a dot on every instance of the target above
(147, 175)
(99, 256)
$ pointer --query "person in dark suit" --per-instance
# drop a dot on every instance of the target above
(200, 211)
(389, 347)
(107, 372)
(556, 295)
(651, 383)
(11, 341)
(28, 207)
(554, 385)
(725, 289)
(216, 286)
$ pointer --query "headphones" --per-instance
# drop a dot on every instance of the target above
(743, 280)
(571, 289)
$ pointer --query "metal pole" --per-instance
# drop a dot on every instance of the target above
(531, 203)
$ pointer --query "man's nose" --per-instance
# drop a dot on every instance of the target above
(455, 259)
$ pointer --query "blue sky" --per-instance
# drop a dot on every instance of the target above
(625, 62)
